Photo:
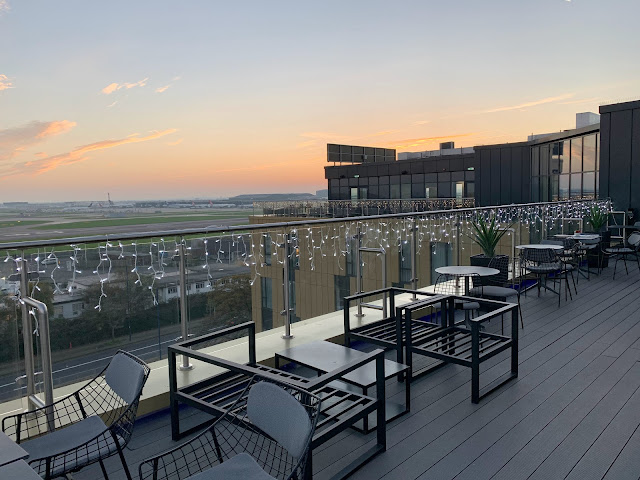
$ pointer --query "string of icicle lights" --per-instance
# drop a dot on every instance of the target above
(153, 260)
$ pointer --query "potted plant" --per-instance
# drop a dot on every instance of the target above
(597, 218)
(487, 235)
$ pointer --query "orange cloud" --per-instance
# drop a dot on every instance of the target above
(13, 141)
(417, 142)
(56, 128)
(113, 87)
(531, 104)
(5, 84)
(162, 89)
(79, 154)
(177, 142)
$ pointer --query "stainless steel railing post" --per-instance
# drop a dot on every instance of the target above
(414, 258)
(45, 353)
(27, 332)
(358, 262)
(286, 287)
(184, 328)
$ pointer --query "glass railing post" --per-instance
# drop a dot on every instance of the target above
(183, 301)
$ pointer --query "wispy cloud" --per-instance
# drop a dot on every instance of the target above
(383, 133)
(4, 80)
(177, 142)
(533, 103)
(4, 6)
(111, 105)
(420, 122)
(581, 100)
(79, 154)
(166, 87)
(114, 87)
(316, 138)
(13, 141)
(420, 142)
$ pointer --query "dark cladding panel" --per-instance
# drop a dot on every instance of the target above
(456, 164)
(485, 172)
(635, 163)
(506, 196)
(516, 174)
(526, 174)
(620, 158)
(495, 176)
(603, 153)
(442, 165)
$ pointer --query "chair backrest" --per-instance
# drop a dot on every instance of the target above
(634, 239)
(453, 285)
(280, 415)
(500, 262)
(539, 255)
(126, 376)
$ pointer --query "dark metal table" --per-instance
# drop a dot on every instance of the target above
(324, 357)
(10, 451)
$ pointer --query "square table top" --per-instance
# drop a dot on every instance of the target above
(327, 356)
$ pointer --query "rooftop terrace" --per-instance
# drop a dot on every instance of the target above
(573, 412)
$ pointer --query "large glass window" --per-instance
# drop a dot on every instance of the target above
(544, 160)
(563, 189)
(535, 161)
(554, 188)
(395, 191)
(544, 189)
(576, 185)
(431, 190)
(589, 184)
(405, 190)
(576, 155)
(589, 153)
(441, 254)
(556, 157)
(563, 157)
(535, 189)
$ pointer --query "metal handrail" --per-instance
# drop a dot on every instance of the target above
(263, 226)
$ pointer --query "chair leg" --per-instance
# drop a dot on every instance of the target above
(104, 470)
(124, 463)
(520, 310)
(615, 265)
(624, 258)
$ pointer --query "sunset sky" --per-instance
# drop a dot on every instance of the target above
(159, 99)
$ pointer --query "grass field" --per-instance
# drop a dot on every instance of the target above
(115, 222)
(19, 223)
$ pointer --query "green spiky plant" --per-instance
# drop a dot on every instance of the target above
(597, 217)
(487, 234)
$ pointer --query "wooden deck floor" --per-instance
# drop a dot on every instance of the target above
(573, 413)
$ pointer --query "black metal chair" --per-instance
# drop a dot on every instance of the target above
(454, 285)
(622, 251)
(544, 263)
(264, 434)
(91, 424)
(499, 286)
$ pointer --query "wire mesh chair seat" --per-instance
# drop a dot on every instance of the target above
(496, 286)
(544, 263)
(85, 427)
(621, 252)
(264, 434)
(447, 284)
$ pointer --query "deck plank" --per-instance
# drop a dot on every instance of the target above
(573, 412)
